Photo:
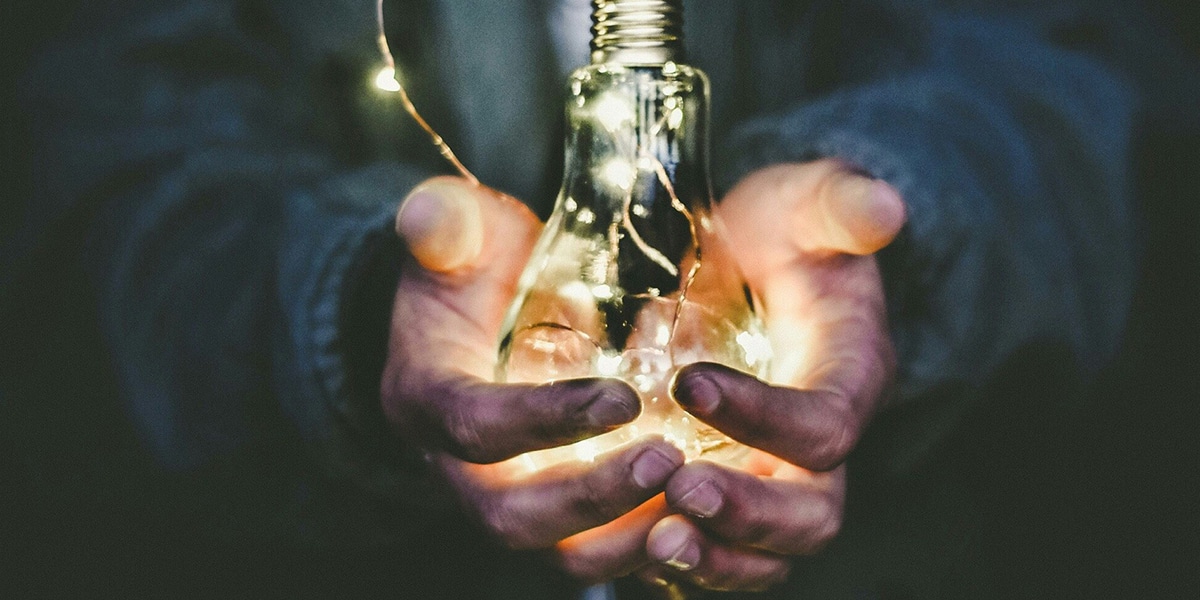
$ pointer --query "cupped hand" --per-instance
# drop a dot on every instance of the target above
(467, 246)
(803, 236)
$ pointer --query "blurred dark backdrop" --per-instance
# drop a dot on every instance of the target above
(1102, 503)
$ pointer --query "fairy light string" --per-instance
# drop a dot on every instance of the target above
(388, 79)
(382, 80)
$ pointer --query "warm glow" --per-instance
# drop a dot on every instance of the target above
(575, 292)
(612, 112)
(603, 292)
(756, 347)
(675, 119)
(662, 335)
(619, 174)
(386, 80)
(608, 365)
(587, 450)
(586, 216)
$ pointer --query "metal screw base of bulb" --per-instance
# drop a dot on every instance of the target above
(637, 32)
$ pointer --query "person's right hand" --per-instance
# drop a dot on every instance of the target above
(467, 246)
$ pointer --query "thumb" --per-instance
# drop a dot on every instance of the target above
(441, 220)
(852, 213)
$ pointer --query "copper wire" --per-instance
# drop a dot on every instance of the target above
(439, 143)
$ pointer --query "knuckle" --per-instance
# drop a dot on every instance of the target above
(827, 525)
(464, 436)
(833, 441)
(691, 475)
(553, 419)
(755, 526)
(595, 500)
(775, 577)
(502, 524)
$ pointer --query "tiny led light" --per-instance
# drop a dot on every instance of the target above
(662, 335)
(612, 112)
(385, 79)
(757, 347)
(608, 365)
(675, 119)
(619, 174)
(586, 216)
(603, 292)
(587, 450)
(576, 291)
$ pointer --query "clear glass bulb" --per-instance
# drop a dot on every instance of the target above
(630, 278)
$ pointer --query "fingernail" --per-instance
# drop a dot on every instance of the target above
(698, 394)
(610, 410)
(442, 225)
(680, 552)
(703, 501)
(652, 468)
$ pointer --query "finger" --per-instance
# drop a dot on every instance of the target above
(442, 223)
(791, 513)
(664, 582)
(811, 208)
(483, 422)
(614, 549)
(677, 543)
(447, 300)
(827, 321)
(852, 213)
(547, 506)
(812, 429)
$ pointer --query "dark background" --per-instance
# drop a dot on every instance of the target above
(1099, 503)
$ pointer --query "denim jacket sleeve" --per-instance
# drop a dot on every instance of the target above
(1012, 154)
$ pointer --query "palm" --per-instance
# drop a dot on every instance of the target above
(802, 235)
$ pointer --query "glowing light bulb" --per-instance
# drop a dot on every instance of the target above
(616, 286)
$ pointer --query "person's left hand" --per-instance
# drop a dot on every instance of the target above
(803, 235)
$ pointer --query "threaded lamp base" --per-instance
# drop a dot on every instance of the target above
(637, 32)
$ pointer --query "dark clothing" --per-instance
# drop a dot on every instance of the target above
(215, 183)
